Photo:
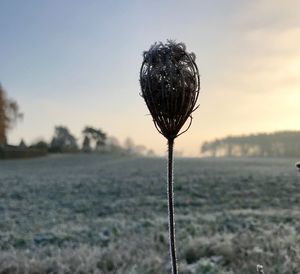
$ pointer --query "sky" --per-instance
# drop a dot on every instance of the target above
(76, 63)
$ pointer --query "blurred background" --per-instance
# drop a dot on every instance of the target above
(75, 65)
(91, 196)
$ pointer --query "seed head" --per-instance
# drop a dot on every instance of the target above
(170, 85)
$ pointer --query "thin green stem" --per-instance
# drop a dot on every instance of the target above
(171, 207)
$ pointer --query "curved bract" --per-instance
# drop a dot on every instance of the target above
(170, 86)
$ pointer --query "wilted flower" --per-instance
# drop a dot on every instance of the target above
(170, 86)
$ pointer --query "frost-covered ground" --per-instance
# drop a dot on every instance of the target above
(108, 214)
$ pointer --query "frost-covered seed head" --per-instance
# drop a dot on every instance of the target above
(170, 86)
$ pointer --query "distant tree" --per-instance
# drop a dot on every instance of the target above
(140, 150)
(86, 145)
(97, 135)
(113, 141)
(22, 144)
(40, 144)
(113, 144)
(63, 140)
(2, 118)
(129, 145)
(150, 153)
(9, 115)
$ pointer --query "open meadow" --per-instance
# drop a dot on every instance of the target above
(108, 214)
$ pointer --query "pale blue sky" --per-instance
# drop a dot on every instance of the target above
(76, 63)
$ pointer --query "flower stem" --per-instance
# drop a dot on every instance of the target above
(171, 207)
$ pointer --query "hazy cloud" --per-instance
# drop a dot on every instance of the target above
(270, 14)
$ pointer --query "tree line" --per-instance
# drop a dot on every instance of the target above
(94, 139)
(281, 143)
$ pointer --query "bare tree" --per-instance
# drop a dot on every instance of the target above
(129, 145)
(63, 140)
(86, 144)
(9, 115)
(97, 135)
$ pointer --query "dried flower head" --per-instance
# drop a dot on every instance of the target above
(170, 86)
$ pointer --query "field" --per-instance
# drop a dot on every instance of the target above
(108, 214)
